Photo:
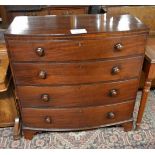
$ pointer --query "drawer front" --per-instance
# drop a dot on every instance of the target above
(77, 95)
(69, 50)
(76, 118)
(76, 73)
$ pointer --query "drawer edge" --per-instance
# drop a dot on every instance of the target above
(76, 129)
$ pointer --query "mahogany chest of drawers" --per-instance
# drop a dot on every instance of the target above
(68, 81)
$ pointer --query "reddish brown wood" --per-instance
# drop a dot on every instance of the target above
(43, 11)
(61, 25)
(69, 50)
(70, 81)
(68, 10)
(143, 102)
(76, 73)
(28, 134)
(4, 15)
(128, 126)
(79, 95)
(149, 69)
(76, 118)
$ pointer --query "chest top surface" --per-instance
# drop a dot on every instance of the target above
(61, 25)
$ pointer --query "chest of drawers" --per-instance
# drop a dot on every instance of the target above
(70, 81)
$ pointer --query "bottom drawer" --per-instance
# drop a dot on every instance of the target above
(77, 118)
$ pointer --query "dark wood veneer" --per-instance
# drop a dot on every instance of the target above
(72, 118)
(78, 95)
(69, 50)
(70, 81)
(76, 73)
(61, 25)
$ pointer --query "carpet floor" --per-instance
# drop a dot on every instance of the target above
(112, 137)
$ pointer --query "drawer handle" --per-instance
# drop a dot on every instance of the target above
(119, 47)
(113, 92)
(48, 119)
(111, 115)
(115, 70)
(40, 51)
(45, 97)
(42, 75)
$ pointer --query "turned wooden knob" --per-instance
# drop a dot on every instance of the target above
(115, 70)
(113, 93)
(40, 51)
(42, 75)
(111, 115)
(119, 47)
(45, 97)
(48, 119)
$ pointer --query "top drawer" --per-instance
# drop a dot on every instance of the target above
(69, 50)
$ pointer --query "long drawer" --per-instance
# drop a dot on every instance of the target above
(69, 50)
(76, 73)
(77, 95)
(77, 118)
